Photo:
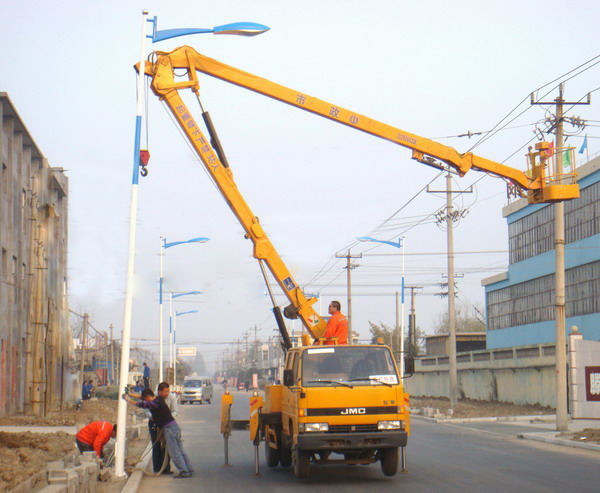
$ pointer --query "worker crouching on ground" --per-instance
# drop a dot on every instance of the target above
(161, 415)
(337, 326)
(93, 437)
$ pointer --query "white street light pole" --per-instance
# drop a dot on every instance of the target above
(399, 244)
(179, 314)
(402, 355)
(126, 339)
(171, 330)
(160, 313)
(163, 246)
(175, 350)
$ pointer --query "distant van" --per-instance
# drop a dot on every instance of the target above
(196, 389)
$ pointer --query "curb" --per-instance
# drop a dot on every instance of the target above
(497, 419)
(487, 419)
(548, 437)
(135, 480)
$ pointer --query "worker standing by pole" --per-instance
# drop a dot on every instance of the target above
(126, 340)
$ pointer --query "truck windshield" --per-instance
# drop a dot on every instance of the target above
(192, 383)
(323, 366)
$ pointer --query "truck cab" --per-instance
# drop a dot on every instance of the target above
(337, 401)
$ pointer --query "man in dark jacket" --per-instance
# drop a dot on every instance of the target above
(146, 376)
(163, 418)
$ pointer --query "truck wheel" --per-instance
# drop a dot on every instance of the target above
(389, 461)
(272, 455)
(301, 464)
(285, 456)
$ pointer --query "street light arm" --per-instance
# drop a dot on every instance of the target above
(179, 314)
(386, 242)
(234, 28)
(185, 294)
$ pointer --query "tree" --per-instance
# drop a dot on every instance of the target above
(390, 337)
(467, 320)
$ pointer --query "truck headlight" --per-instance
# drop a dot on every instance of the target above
(313, 427)
(390, 425)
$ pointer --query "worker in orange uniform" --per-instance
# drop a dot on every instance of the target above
(337, 326)
(93, 437)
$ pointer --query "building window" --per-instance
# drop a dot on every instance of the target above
(533, 301)
(534, 234)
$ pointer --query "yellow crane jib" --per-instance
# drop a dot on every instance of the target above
(541, 183)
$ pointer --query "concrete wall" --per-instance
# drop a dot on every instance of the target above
(521, 375)
(35, 338)
(584, 373)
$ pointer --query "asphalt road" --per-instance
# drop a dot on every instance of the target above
(441, 458)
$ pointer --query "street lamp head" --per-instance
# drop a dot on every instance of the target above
(177, 295)
(179, 314)
(234, 28)
(241, 29)
(200, 239)
(386, 242)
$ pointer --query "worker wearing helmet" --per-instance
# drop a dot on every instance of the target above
(337, 326)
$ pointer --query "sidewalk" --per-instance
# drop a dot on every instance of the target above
(550, 435)
(544, 423)
(71, 430)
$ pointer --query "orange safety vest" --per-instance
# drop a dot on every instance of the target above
(337, 326)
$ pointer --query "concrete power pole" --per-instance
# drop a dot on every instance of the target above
(562, 417)
(451, 295)
(449, 217)
(349, 267)
(412, 322)
(112, 356)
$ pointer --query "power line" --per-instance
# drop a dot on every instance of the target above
(492, 131)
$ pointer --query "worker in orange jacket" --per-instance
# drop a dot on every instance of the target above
(93, 437)
(337, 326)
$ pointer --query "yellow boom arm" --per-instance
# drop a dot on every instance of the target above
(540, 187)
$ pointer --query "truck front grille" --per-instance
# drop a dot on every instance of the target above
(352, 428)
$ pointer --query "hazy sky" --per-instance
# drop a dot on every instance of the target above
(434, 68)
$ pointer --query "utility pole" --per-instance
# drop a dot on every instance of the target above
(349, 267)
(112, 356)
(412, 322)
(105, 351)
(255, 346)
(84, 333)
(562, 417)
(449, 217)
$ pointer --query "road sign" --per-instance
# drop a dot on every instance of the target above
(186, 352)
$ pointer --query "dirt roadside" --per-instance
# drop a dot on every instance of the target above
(587, 435)
(92, 410)
(24, 454)
(476, 409)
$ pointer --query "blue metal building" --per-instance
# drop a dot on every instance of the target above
(520, 302)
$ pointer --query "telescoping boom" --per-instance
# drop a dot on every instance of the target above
(540, 182)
